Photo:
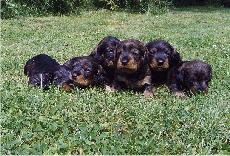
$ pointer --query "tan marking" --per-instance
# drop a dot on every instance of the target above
(146, 80)
(66, 87)
(138, 84)
(131, 67)
(154, 65)
(148, 94)
(109, 63)
(180, 94)
(110, 89)
(206, 91)
(81, 81)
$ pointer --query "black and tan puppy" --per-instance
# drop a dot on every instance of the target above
(104, 53)
(191, 76)
(161, 57)
(43, 70)
(85, 71)
(60, 78)
(39, 70)
(131, 72)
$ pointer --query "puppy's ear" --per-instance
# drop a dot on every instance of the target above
(176, 58)
(181, 76)
(100, 77)
(146, 56)
(68, 64)
(96, 53)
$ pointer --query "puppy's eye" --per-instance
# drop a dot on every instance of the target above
(153, 51)
(167, 51)
(191, 81)
(87, 70)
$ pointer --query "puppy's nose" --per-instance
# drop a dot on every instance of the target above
(125, 61)
(160, 62)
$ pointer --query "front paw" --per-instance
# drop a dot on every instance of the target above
(180, 94)
(148, 92)
(110, 89)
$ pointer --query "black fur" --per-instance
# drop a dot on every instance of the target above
(85, 72)
(104, 53)
(161, 57)
(189, 76)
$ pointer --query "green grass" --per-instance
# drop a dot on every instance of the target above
(92, 121)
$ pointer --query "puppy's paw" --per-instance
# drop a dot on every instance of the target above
(110, 89)
(67, 87)
(180, 94)
(206, 91)
(148, 94)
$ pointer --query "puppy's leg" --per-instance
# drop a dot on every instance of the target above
(148, 91)
(206, 91)
(174, 88)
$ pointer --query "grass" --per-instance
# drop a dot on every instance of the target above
(91, 121)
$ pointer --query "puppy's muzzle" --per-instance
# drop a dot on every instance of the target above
(160, 61)
(75, 74)
(203, 90)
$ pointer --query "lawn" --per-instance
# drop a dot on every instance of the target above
(91, 121)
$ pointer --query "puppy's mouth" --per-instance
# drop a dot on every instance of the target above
(200, 91)
(127, 66)
(159, 66)
(126, 70)
(80, 81)
(109, 64)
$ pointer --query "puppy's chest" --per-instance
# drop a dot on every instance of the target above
(134, 80)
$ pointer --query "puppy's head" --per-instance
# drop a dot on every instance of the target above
(196, 75)
(105, 51)
(40, 80)
(60, 78)
(86, 72)
(161, 55)
(130, 56)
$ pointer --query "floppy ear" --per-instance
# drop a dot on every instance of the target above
(146, 56)
(176, 58)
(100, 77)
(69, 64)
(180, 76)
(96, 53)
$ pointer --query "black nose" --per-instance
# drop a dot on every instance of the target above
(160, 61)
(125, 61)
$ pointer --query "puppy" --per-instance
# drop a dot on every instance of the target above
(104, 53)
(60, 78)
(85, 72)
(131, 72)
(39, 70)
(161, 57)
(191, 76)
(43, 70)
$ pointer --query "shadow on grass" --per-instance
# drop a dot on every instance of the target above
(202, 9)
